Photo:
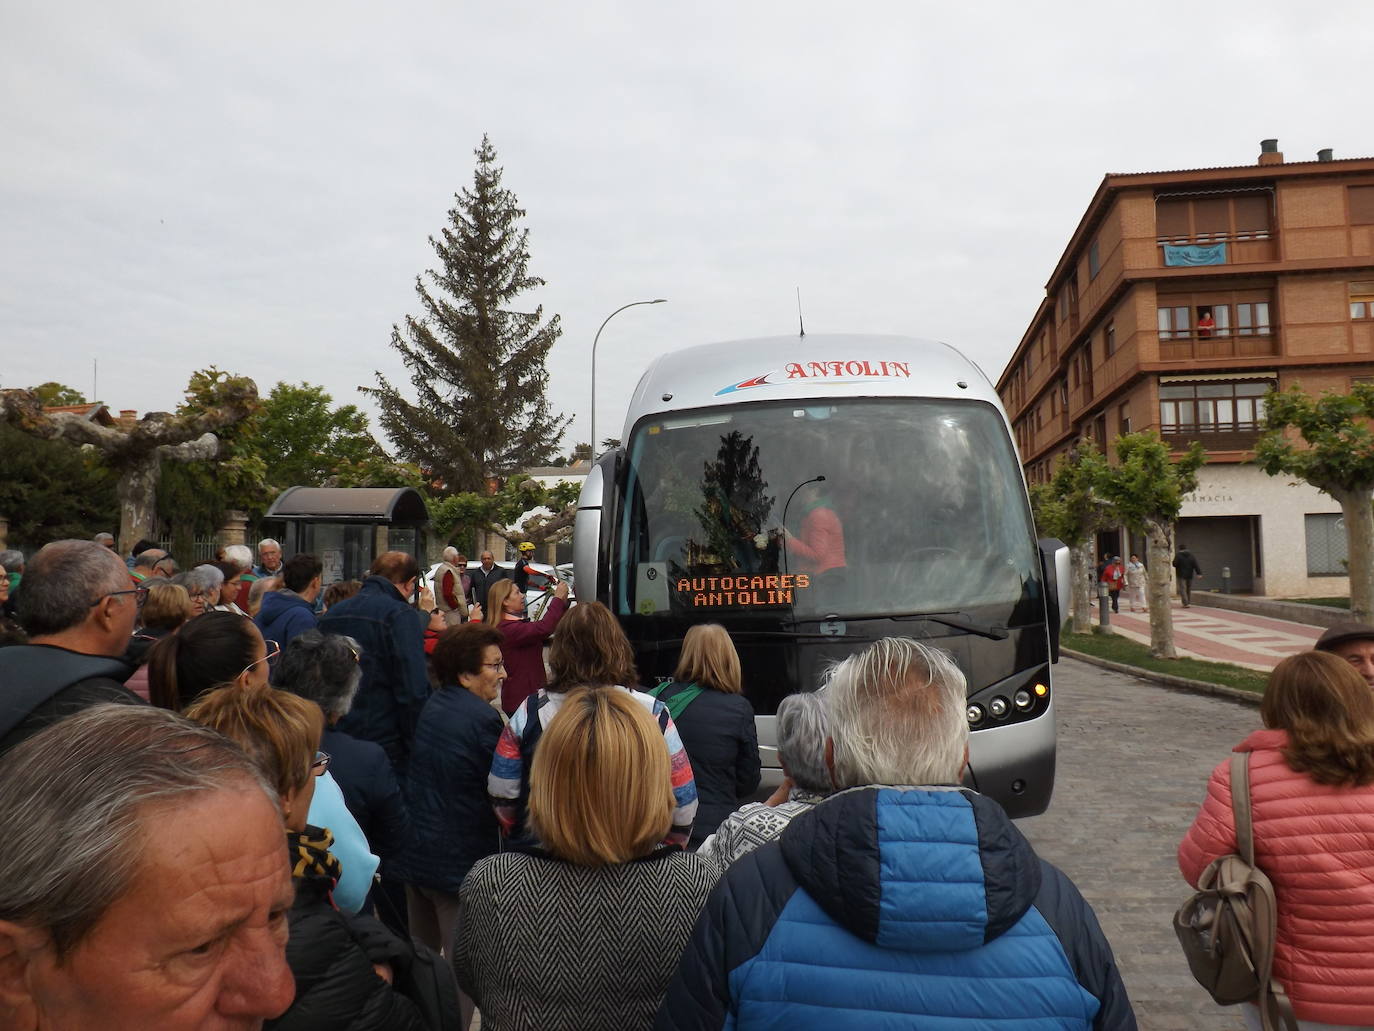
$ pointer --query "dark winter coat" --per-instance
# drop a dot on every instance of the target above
(331, 955)
(482, 581)
(395, 685)
(283, 615)
(371, 792)
(897, 907)
(718, 732)
(1186, 565)
(42, 683)
(452, 822)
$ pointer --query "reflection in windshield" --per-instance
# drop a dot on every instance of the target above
(857, 507)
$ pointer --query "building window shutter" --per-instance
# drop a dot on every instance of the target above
(1361, 205)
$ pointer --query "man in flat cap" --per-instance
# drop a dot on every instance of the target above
(1353, 642)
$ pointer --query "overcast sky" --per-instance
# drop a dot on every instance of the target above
(252, 185)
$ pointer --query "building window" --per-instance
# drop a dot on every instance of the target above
(1253, 319)
(1123, 419)
(1327, 547)
(1063, 395)
(1174, 323)
(1213, 218)
(1209, 407)
(1361, 205)
(1362, 300)
(1109, 338)
(1094, 262)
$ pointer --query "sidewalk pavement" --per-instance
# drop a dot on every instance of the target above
(1219, 635)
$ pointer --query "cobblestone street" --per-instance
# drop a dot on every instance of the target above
(1133, 765)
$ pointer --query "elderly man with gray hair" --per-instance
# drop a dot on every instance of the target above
(452, 586)
(79, 612)
(143, 879)
(801, 725)
(901, 894)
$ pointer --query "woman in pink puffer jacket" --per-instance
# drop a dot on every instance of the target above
(1312, 798)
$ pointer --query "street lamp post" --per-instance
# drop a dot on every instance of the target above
(656, 300)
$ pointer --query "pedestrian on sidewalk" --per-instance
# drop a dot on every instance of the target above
(1114, 576)
(1135, 584)
(1187, 567)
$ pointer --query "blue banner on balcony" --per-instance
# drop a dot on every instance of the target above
(1195, 254)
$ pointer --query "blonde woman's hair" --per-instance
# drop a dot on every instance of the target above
(601, 788)
(709, 659)
(281, 731)
(492, 613)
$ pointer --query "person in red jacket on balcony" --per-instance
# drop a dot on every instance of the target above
(1206, 325)
(1312, 806)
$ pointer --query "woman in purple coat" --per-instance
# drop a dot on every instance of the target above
(522, 647)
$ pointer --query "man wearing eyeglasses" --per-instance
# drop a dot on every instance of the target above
(153, 563)
(79, 611)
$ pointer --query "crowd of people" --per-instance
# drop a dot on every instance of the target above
(230, 796)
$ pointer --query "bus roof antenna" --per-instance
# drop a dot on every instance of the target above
(800, 325)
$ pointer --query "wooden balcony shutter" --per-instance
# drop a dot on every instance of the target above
(1252, 214)
(1361, 205)
(1171, 220)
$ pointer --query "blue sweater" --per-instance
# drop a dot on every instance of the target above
(888, 908)
(283, 615)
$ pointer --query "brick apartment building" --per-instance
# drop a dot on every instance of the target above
(1181, 298)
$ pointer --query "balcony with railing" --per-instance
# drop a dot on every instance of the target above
(1177, 347)
(1217, 249)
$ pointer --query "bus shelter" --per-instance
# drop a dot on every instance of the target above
(348, 527)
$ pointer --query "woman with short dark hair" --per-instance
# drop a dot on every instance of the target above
(452, 822)
(1312, 813)
(616, 904)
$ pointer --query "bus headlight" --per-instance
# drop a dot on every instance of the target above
(975, 715)
(998, 707)
(1023, 699)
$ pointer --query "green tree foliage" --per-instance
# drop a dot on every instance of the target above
(1146, 488)
(1336, 457)
(475, 360)
(459, 516)
(52, 394)
(1072, 508)
(50, 490)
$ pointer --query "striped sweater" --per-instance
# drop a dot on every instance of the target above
(509, 781)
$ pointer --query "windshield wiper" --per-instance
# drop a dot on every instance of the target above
(968, 626)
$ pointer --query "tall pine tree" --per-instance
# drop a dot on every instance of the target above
(476, 363)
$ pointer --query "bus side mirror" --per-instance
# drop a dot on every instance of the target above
(1054, 573)
(592, 528)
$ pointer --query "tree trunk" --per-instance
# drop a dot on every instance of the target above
(1359, 533)
(1081, 584)
(138, 500)
(1159, 579)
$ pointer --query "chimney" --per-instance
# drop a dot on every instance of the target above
(128, 415)
(1269, 153)
(1324, 154)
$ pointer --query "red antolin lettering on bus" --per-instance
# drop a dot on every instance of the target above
(850, 369)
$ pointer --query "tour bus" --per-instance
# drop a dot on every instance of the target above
(813, 494)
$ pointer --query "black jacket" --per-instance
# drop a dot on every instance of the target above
(41, 683)
(1186, 564)
(331, 955)
(482, 581)
(370, 790)
(718, 732)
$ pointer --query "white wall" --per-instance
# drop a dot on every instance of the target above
(1225, 490)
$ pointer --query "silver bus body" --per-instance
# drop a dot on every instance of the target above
(898, 447)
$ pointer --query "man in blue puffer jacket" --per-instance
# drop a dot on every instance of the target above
(897, 907)
(291, 610)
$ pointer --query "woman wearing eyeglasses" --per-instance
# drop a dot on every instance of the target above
(220, 649)
(345, 966)
(452, 823)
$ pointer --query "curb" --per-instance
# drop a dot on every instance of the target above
(1168, 680)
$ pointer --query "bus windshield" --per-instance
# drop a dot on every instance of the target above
(810, 509)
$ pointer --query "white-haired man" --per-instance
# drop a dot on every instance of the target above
(897, 904)
(451, 587)
(269, 559)
(143, 878)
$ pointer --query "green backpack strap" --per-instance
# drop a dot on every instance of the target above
(677, 701)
